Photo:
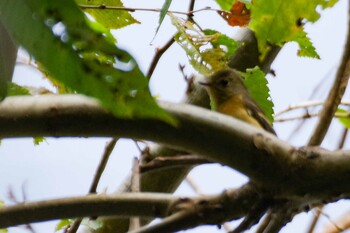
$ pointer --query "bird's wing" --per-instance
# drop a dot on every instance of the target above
(256, 112)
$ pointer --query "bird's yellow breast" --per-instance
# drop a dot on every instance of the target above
(235, 107)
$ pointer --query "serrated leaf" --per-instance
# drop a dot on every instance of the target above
(191, 40)
(120, 86)
(328, 3)
(256, 83)
(277, 21)
(38, 140)
(221, 40)
(215, 58)
(305, 45)
(225, 4)
(109, 18)
(63, 223)
(194, 56)
(195, 43)
(345, 121)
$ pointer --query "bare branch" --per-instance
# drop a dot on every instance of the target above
(252, 151)
(310, 115)
(158, 55)
(184, 212)
(334, 97)
(178, 161)
(101, 167)
(135, 188)
(104, 7)
(189, 213)
(126, 204)
(339, 225)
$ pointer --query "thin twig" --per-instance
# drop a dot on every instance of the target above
(101, 167)
(135, 184)
(343, 138)
(135, 187)
(315, 219)
(193, 185)
(158, 55)
(167, 162)
(191, 8)
(73, 228)
(334, 96)
(333, 100)
(310, 115)
(264, 223)
(338, 226)
(104, 7)
(161, 51)
(307, 104)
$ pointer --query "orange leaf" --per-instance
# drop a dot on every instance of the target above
(239, 15)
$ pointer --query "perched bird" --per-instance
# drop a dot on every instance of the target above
(231, 97)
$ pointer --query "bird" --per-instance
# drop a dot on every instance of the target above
(230, 96)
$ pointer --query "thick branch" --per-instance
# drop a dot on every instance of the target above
(214, 209)
(261, 156)
(126, 204)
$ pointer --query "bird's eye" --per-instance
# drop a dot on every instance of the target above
(223, 82)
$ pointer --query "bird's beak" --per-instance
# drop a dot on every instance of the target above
(207, 84)
(205, 81)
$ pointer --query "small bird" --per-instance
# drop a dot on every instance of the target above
(231, 97)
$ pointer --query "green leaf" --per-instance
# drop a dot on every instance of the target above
(345, 121)
(109, 18)
(63, 223)
(256, 83)
(2, 204)
(328, 3)
(94, 225)
(225, 4)
(278, 21)
(163, 13)
(38, 140)
(205, 59)
(59, 36)
(305, 45)
(14, 89)
(8, 55)
(191, 39)
(222, 41)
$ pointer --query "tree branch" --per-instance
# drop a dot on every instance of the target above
(127, 204)
(158, 55)
(182, 212)
(215, 210)
(334, 97)
(249, 150)
(178, 161)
